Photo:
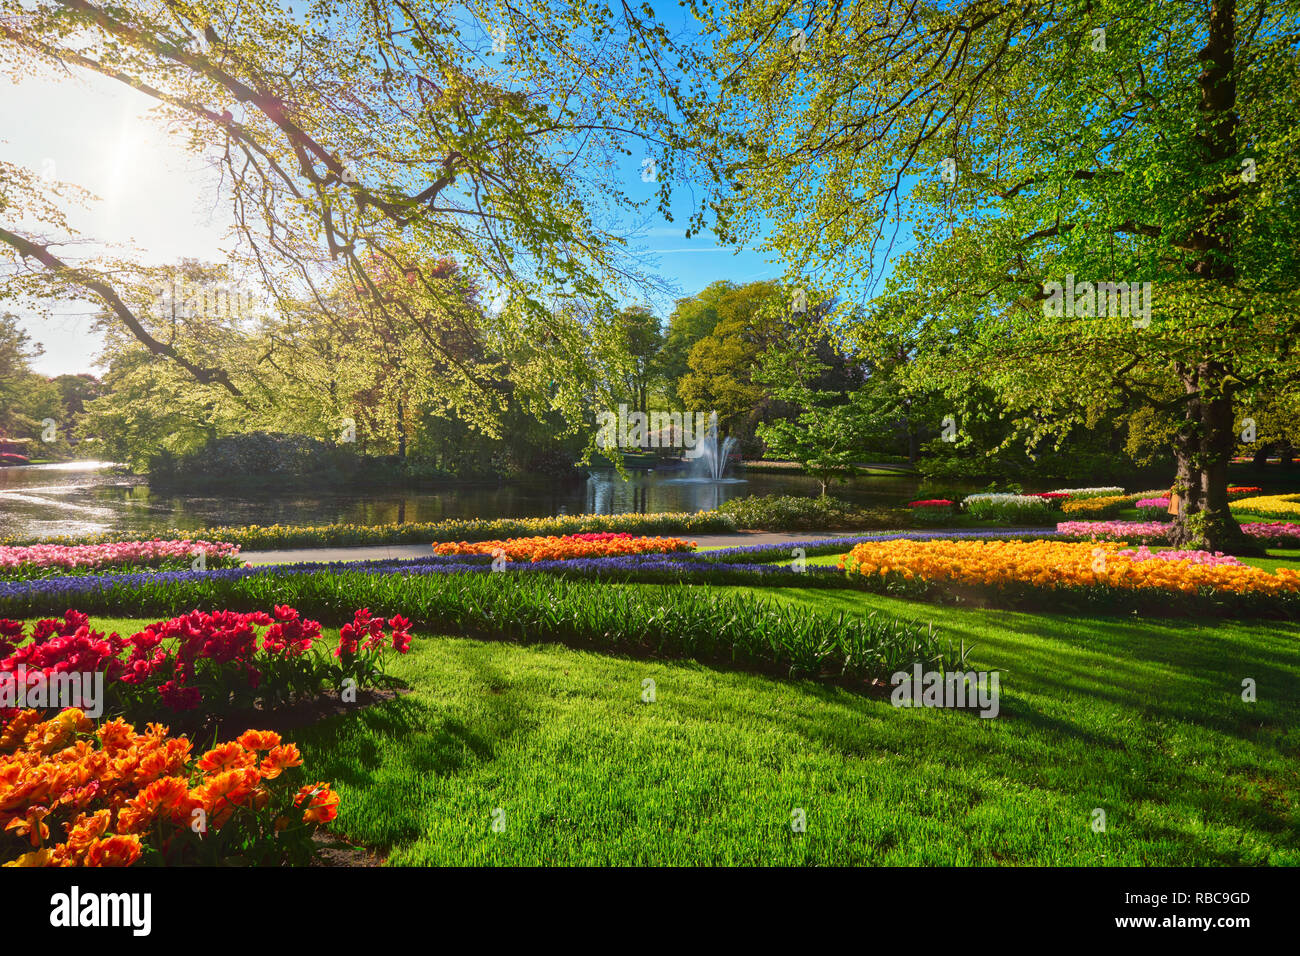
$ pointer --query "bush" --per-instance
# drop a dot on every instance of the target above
(932, 511)
(1012, 509)
(792, 513)
(255, 458)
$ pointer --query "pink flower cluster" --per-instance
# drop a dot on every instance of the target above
(1193, 557)
(124, 553)
(1114, 530)
(1153, 503)
(1275, 533)
(1281, 533)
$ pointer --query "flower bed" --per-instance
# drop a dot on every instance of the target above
(602, 545)
(1041, 572)
(1024, 509)
(1274, 534)
(259, 537)
(1152, 509)
(75, 795)
(1242, 491)
(1269, 506)
(532, 603)
(215, 660)
(1096, 506)
(1054, 499)
(1076, 494)
(931, 511)
(44, 559)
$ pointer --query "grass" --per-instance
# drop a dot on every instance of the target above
(1142, 718)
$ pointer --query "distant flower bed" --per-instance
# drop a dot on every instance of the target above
(1020, 509)
(1030, 572)
(267, 537)
(1270, 506)
(1152, 509)
(1053, 498)
(1139, 531)
(1074, 494)
(1195, 557)
(1096, 506)
(567, 547)
(1275, 534)
(216, 661)
(72, 794)
(932, 511)
(1241, 491)
(41, 560)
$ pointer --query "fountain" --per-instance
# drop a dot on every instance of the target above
(707, 461)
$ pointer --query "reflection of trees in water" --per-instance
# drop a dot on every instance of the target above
(82, 500)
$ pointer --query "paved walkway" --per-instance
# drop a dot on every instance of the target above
(380, 552)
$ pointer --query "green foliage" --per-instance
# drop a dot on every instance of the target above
(1021, 153)
(791, 513)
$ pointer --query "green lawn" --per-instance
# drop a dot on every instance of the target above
(1142, 718)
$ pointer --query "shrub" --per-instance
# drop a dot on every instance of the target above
(255, 458)
(1018, 509)
(74, 795)
(792, 513)
(932, 511)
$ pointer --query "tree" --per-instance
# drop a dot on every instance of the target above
(751, 318)
(26, 399)
(639, 342)
(692, 319)
(352, 132)
(1030, 146)
(828, 430)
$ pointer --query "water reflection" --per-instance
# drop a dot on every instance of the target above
(75, 498)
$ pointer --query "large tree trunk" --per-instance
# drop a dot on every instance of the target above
(1203, 447)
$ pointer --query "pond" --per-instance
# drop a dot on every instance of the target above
(85, 497)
